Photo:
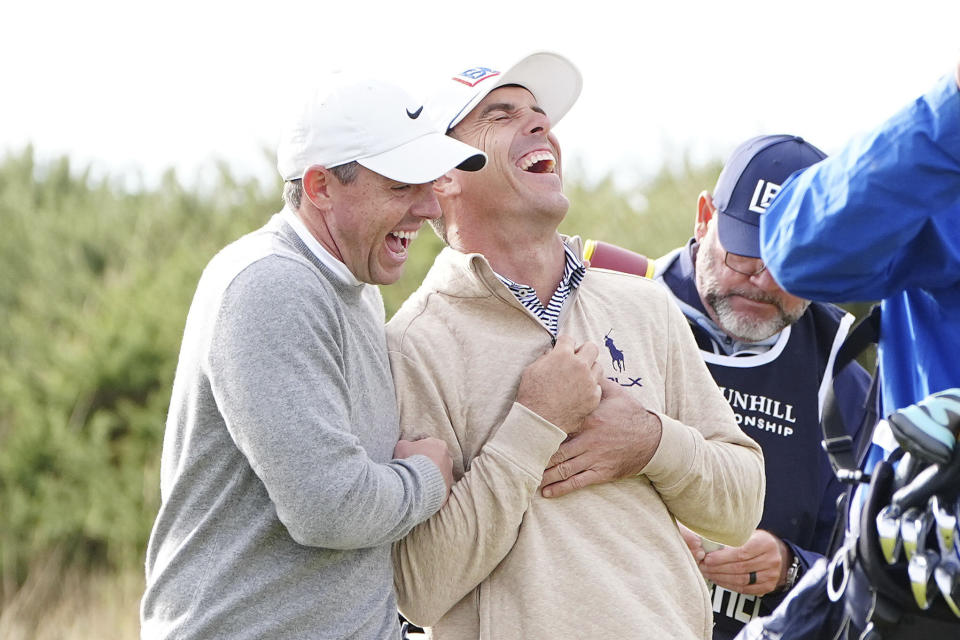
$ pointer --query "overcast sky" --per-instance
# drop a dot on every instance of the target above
(132, 88)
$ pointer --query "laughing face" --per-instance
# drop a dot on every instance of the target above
(372, 221)
(522, 174)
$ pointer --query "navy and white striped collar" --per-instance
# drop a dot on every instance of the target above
(573, 272)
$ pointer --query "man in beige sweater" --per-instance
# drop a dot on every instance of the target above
(500, 559)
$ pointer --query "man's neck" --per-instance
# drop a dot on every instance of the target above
(536, 261)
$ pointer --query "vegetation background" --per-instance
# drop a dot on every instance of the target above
(95, 282)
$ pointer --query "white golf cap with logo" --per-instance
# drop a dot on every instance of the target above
(374, 123)
(552, 79)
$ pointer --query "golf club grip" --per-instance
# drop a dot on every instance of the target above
(929, 481)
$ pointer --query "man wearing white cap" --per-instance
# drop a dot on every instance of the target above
(282, 481)
(500, 559)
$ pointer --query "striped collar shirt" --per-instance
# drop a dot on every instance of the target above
(573, 272)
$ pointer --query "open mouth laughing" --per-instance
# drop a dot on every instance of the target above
(540, 161)
(398, 241)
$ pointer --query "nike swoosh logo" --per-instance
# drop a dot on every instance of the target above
(415, 114)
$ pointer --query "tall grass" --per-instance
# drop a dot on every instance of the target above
(73, 603)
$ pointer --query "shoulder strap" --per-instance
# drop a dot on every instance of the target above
(840, 448)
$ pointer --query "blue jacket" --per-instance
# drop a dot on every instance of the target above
(881, 221)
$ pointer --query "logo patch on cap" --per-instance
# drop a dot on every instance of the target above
(476, 75)
(762, 195)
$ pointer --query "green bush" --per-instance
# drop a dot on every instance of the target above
(652, 217)
(95, 283)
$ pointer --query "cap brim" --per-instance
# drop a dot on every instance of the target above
(425, 159)
(737, 236)
(551, 78)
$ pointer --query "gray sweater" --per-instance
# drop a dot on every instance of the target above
(279, 495)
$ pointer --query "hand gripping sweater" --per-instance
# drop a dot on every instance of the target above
(499, 560)
(279, 495)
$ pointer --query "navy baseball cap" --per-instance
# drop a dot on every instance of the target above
(750, 179)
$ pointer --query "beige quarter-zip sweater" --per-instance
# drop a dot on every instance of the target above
(499, 560)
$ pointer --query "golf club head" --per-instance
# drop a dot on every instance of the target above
(946, 518)
(888, 531)
(915, 526)
(956, 529)
(920, 570)
(947, 577)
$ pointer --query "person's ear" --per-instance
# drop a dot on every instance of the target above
(705, 212)
(315, 185)
(447, 185)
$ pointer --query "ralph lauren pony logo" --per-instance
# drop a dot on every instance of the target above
(616, 356)
(619, 363)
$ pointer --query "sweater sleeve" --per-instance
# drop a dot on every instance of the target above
(709, 473)
(277, 369)
(446, 557)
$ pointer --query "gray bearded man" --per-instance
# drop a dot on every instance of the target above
(770, 352)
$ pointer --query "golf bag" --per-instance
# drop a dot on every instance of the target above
(894, 570)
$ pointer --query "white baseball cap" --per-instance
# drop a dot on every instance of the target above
(552, 79)
(376, 124)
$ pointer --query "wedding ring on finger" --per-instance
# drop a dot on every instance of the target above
(753, 578)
